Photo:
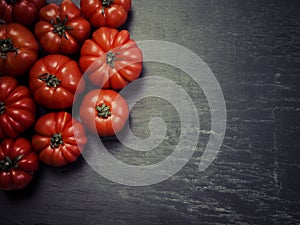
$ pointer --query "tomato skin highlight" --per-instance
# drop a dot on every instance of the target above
(23, 49)
(17, 108)
(59, 138)
(54, 81)
(18, 163)
(24, 12)
(61, 29)
(107, 125)
(111, 59)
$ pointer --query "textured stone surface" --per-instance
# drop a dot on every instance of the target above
(253, 48)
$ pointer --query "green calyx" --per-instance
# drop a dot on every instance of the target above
(2, 108)
(50, 79)
(106, 3)
(111, 58)
(56, 140)
(6, 45)
(7, 163)
(60, 26)
(103, 111)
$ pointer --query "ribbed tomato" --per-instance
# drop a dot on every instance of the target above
(59, 138)
(23, 11)
(17, 108)
(54, 80)
(18, 163)
(104, 112)
(18, 49)
(106, 13)
(111, 59)
(61, 28)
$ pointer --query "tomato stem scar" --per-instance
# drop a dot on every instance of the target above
(56, 141)
(103, 110)
(50, 79)
(6, 45)
(7, 164)
(60, 26)
(106, 3)
(111, 58)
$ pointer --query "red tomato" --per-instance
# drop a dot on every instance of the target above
(104, 112)
(114, 59)
(61, 29)
(18, 49)
(106, 13)
(54, 80)
(22, 11)
(17, 108)
(17, 163)
(59, 138)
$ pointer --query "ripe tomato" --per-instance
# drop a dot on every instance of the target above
(17, 108)
(59, 138)
(61, 29)
(24, 12)
(17, 163)
(106, 13)
(53, 81)
(104, 112)
(18, 49)
(115, 59)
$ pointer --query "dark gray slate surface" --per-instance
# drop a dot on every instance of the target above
(253, 48)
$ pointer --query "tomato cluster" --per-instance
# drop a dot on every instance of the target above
(49, 54)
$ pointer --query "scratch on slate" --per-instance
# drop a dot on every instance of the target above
(275, 144)
(276, 164)
(210, 132)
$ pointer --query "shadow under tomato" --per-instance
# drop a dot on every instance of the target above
(30, 190)
(129, 21)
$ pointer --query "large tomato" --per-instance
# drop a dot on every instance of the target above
(59, 138)
(20, 11)
(18, 49)
(61, 29)
(106, 13)
(111, 59)
(17, 163)
(54, 80)
(104, 112)
(17, 108)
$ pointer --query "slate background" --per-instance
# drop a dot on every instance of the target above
(253, 48)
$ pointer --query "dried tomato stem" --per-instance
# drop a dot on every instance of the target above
(103, 111)
(106, 3)
(2, 108)
(6, 45)
(111, 58)
(60, 26)
(7, 164)
(56, 140)
(50, 79)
